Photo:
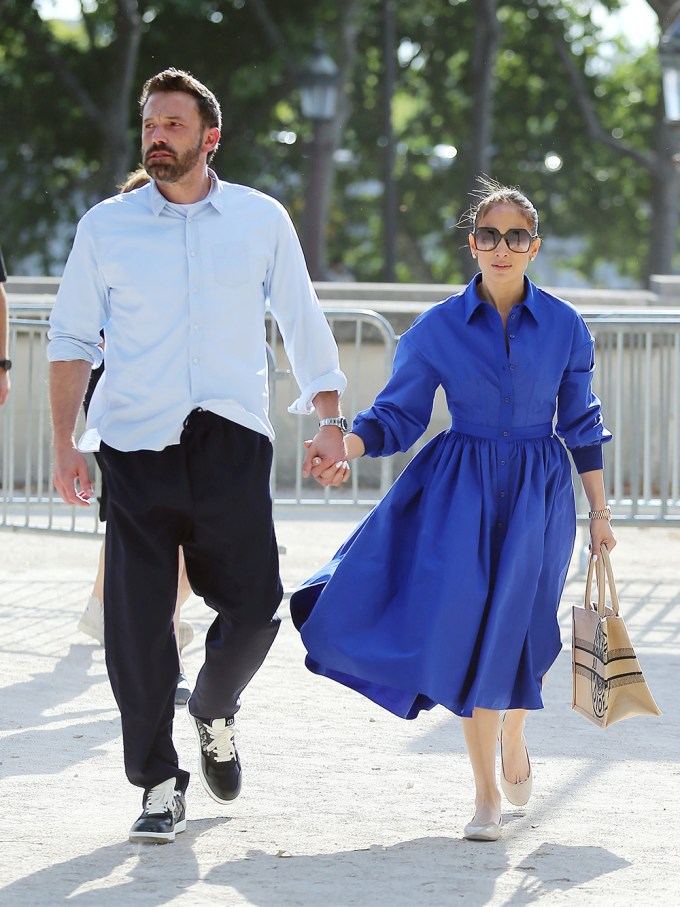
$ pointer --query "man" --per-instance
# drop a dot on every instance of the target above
(178, 274)
(5, 362)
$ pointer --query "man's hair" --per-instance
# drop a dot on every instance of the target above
(177, 80)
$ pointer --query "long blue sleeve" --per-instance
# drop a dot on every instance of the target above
(402, 410)
(579, 413)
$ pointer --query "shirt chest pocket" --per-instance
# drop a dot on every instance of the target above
(230, 264)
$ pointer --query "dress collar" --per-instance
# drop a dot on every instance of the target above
(473, 301)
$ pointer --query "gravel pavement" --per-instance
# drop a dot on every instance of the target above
(342, 804)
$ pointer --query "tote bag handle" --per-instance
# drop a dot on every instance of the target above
(605, 577)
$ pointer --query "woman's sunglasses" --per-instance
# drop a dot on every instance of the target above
(518, 240)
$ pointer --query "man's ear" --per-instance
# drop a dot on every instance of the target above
(212, 139)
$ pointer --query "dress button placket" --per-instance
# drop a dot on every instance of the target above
(504, 438)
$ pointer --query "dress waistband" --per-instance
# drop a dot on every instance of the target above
(494, 433)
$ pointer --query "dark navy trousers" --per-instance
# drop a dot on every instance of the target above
(210, 494)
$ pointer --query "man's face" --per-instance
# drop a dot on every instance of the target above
(173, 136)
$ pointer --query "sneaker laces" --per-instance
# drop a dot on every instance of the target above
(219, 740)
(160, 799)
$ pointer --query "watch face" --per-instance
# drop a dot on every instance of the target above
(340, 421)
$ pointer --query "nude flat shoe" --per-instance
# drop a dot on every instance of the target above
(516, 793)
(491, 831)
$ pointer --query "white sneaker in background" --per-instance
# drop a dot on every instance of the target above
(92, 620)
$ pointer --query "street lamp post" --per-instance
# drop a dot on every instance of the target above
(669, 53)
(318, 81)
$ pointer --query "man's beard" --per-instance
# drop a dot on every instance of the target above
(164, 171)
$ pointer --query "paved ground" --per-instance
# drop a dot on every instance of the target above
(342, 804)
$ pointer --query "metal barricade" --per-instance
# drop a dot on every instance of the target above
(637, 377)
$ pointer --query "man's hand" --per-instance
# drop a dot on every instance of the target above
(4, 386)
(325, 459)
(72, 477)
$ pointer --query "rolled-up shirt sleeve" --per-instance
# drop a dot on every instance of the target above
(307, 337)
(80, 310)
(402, 410)
(579, 412)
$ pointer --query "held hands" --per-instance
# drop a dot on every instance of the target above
(72, 477)
(326, 459)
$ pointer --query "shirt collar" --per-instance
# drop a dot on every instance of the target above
(473, 301)
(215, 196)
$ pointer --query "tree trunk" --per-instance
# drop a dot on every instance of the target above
(664, 198)
(479, 155)
(114, 124)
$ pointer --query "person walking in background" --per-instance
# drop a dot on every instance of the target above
(178, 274)
(92, 619)
(447, 592)
(5, 361)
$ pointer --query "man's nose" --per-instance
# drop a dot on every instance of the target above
(158, 135)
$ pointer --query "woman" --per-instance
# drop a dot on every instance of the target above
(447, 592)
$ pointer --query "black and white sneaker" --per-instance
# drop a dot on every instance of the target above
(218, 765)
(163, 817)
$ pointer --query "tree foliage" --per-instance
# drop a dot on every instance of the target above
(525, 90)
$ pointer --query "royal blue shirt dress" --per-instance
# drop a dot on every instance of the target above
(447, 591)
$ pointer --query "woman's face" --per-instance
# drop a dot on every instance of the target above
(502, 242)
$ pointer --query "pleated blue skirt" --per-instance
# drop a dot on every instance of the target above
(447, 592)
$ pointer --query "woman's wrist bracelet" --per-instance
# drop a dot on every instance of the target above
(604, 514)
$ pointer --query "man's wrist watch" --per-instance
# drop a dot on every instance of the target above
(339, 422)
(6, 364)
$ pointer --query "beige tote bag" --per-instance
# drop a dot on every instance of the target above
(607, 683)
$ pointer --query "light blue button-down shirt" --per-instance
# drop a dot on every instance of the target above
(181, 293)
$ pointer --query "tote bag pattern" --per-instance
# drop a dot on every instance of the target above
(607, 682)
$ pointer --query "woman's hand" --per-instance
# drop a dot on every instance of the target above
(601, 534)
(325, 459)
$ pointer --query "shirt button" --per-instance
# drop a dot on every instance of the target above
(193, 254)
(195, 290)
(512, 366)
(513, 316)
(511, 336)
(500, 525)
(195, 327)
(507, 399)
(505, 434)
(502, 494)
(195, 361)
(502, 462)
